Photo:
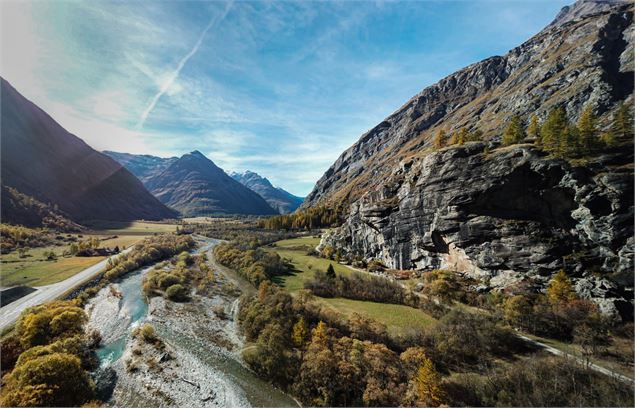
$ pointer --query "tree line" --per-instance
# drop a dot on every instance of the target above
(557, 134)
(321, 216)
(253, 263)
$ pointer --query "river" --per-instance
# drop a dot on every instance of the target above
(204, 369)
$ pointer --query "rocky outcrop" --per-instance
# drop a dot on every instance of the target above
(502, 215)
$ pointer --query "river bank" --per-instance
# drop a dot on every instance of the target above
(196, 362)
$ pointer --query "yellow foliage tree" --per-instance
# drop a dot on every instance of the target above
(319, 334)
(427, 384)
(440, 139)
(300, 332)
(560, 289)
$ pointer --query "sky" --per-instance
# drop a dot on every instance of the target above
(281, 88)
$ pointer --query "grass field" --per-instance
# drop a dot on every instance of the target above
(397, 318)
(35, 270)
(40, 273)
(131, 228)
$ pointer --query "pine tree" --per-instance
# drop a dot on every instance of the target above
(330, 272)
(588, 132)
(552, 130)
(533, 129)
(514, 133)
(569, 141)
(560, 289)
(427, 383)
(622, 122)
(440, 139)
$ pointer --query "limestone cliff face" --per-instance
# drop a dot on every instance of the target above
(505, 214)
(508, 216)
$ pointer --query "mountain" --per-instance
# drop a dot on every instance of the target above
(279, 199)
(20, 209)
(42, 160)
(504, 215)
(143, 166)
(195, 186)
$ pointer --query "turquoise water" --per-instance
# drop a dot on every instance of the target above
(133, 305)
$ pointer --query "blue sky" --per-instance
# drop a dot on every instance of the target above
(280, 88)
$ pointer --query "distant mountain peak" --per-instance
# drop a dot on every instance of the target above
(198, 153)
(281, 200)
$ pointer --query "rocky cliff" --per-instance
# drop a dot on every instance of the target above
(502, 214)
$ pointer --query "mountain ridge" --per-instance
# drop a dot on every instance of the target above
(195, 186)
(278, 198)
(43, 160)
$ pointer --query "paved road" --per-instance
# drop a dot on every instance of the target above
(10, 313)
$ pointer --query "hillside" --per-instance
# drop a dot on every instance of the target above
(195, 186)
(143, 166)
(20, 209)
(505, 215)
(279, 199)
(42, 160)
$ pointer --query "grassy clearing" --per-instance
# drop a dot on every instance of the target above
(131, 228)
(39, 272)
(304, 268)
(397, 318)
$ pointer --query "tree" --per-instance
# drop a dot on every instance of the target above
(622, 122)
(460, 137)
(55, 379)
(591, 334)
(514, 133)
(176, 293)
(588, 132)
(330, 272)
(475, 135)
(552, 130)
(300, 333)
(427, 382)
(533, 129)
(517, 310)
(440, 139)
(319, 334)
(560, 289)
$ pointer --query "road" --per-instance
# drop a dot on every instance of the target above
(10, 313)
(580, 360)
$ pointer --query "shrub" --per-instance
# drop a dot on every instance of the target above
(177, 293)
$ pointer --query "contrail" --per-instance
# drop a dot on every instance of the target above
(173, 77)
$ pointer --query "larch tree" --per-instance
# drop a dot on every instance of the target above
(588, 132)
(514, 133)
(622, 122)
(533, 129)
(560, 289)
(427, 382)
(440, 139)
